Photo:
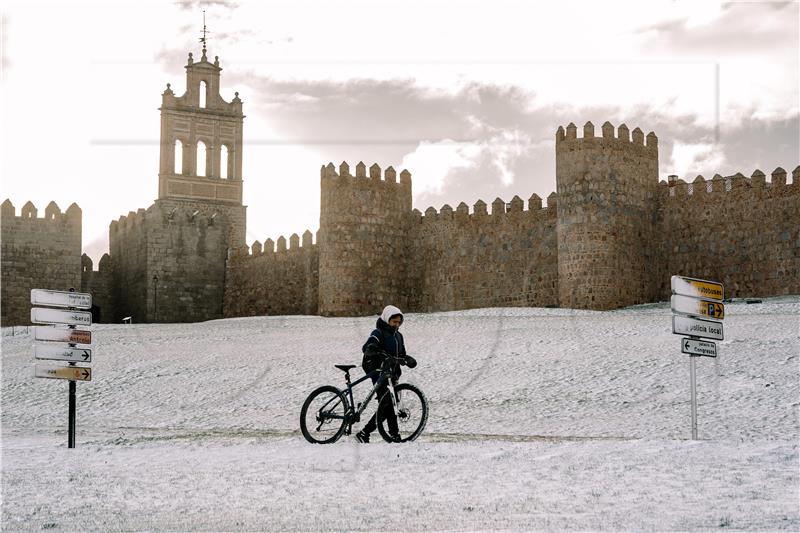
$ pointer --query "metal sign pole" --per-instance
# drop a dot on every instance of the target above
(71, 429)
(693, 380)
(71, 421)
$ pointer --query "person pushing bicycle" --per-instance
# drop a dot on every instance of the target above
(385, 342)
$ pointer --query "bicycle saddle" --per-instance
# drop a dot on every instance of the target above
(344, 368)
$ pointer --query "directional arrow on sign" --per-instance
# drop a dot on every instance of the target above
(72, 373)
(686, 305)
(698, 347)
(62, 353)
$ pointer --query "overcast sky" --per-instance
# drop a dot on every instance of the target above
(465, 95)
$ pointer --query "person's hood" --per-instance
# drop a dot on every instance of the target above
(389, 311)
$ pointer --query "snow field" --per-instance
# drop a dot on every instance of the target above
(540, 419)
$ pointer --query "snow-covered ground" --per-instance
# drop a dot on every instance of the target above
(545, 419)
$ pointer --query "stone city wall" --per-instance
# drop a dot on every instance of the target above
(266, 281)
(98, 283)
(364, 247)
(128, 246)
(743, 232)
(465, 260)
(37, 253)
(606, 208)
(169, 261)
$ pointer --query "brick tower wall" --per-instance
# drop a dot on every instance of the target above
(37, 253)
(606, 217)
(364, 245)
(466, 260)
(743, 232)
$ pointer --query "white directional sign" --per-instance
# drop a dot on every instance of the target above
(697, 327)
(697, 288)
(62, 353)
(57, 316)
(698, 307)
(61, 298)
(50, 333)
(72, 373)
(698, 347)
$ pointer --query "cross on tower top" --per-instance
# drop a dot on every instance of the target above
(204, 38)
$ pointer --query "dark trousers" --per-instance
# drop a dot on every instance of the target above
(391, 418)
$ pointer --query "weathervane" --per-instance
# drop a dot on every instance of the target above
(203, 39)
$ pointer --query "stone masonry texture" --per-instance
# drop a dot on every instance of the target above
(37, 253)
(610, 236)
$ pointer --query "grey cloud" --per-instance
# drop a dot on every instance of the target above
(743, 28)
(384, 121)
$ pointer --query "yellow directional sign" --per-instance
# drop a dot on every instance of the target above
(697, 288)
(73, 373)
(687, 305)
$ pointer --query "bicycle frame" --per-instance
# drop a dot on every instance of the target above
(352, 414)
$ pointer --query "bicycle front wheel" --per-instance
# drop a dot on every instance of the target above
(412, 415)
(322, 418)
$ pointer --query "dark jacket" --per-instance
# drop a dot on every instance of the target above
(384, 339)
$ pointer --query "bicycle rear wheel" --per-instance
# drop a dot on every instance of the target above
(413, 414)
(322, 418)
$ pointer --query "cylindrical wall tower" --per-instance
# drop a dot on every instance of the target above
(606, 206)
(363, 240)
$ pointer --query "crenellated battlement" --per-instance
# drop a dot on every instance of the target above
(37, 252)
(52, 214)
(167, 214)
(361, 178)
(676, 189)
(268, 248)
(499, 209)
(636, 139)
(104, 265)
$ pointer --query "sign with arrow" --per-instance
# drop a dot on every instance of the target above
(74, 336)
(79, 300)
(62, 353)
(687, 305)
(698, 347)
(697, 288)
(41, 315)
(697, 327)
(72, 373)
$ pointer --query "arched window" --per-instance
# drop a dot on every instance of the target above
(203, 93)
(223, 161)
(201, 158)
(178, 163)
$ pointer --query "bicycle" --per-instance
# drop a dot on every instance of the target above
(334, 411)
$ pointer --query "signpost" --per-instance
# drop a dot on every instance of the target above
(68, 314)
(40, 315)
(72, 373)
(74, 336)
(62, 353)
(693, 306)
(698, 312)
(77, 300)
(697, 327)
(698, 347)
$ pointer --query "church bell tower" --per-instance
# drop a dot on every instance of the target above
(201, 143)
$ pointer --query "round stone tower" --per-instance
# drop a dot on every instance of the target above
(363, 240)
(606, 205)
